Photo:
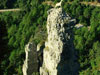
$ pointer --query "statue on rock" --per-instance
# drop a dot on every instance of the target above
(59, 56)
(59, 4)
(57, 52)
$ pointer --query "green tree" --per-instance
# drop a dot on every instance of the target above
(87, 12)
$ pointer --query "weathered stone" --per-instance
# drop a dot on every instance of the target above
(31, 61)
(59, 53)
(56, 55)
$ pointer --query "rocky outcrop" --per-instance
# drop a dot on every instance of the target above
(56, 55)
(31, 63)
(34, 58)
(59, 54)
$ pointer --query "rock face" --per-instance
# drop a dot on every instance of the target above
(58, 54)
(31, 62)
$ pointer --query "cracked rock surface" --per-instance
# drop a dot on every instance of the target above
(56, 56)
(59, 53)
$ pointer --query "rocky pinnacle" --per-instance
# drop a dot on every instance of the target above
(59, 53)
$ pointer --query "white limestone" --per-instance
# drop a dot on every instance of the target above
(54, 45)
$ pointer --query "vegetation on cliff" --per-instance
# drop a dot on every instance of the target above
(18, 28)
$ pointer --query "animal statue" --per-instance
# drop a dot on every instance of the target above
(59, 4)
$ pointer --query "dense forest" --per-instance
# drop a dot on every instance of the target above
(29, 24)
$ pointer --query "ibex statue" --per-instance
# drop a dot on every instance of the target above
(59, 4)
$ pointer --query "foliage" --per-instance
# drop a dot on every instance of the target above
(29, 25)
(20, 27)
(86, 40)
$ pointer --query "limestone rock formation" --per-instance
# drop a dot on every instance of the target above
(59, 54)
(31, 61)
